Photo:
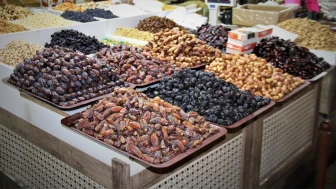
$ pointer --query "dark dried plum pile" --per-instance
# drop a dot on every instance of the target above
(136, 66)
(100, 13)
(292, 59)
(215, 36)
(218, 101)
(78, 16)
(75, 40)
(65, 77)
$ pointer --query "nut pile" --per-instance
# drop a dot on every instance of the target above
(292, 59)
(78, 16)
(65, 77)
(75, 40)
(312, 34)
(7, 27)
(150, 129)
(15, 52)
(248, 72)
(69, 6)
(44, 20)
(215, 36)
(181, 48)
(136, 66)
(12, 12)
(100, 13)
(156, 24)
(134, 33)
(218, 101)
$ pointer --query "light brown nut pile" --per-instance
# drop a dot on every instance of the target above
(7, 27)
(156, 24)
(181, 48)
(248, 72)
(134, 34)
(69, 6)
(150, 129)
(44, 20)
(16, 51)
(312, 34)
(12, 12)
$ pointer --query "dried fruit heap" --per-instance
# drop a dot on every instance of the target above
(248, 72)
(218, 101)
(78, 16)
(312, 34)
(215, 36)
(8, 27)
(14, 52)
(12, 12)
(65, 77)
(135, 66)
(100, 13)
(181, 48)
(150, 129)
(156, 24)
(75, 40)
(68, 6)
(292, 59)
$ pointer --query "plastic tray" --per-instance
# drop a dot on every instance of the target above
(222, 131)
(325, 72)
(294, 92)
(85, 102)
(247, 118)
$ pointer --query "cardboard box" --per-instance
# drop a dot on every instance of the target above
(250, 15)
(242, 36)
(237, 49)
(262, 32)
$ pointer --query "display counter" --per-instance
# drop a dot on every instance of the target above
(39, 152)
(257, 153)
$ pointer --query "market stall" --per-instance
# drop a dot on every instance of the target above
(172, 110)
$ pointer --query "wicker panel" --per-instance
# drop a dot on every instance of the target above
(36, 168)
(286, 132)
(220, 169)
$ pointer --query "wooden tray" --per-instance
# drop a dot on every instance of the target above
(222, 131)
(247, 118)
(85, 102)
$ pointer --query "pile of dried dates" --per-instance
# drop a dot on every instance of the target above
(292, 59)
(218, 101)
(150, 129)
(65, 77)
(215, 36)
(75, 40)
(78, 16)
(181, 48)
(135, 66)
(156, 24)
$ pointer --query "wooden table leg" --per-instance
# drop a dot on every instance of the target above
(322, 155)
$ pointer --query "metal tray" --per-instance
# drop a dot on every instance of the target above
(247, 118)
(325, 72)
(85, 102)
(222, 131)
(294, 92)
